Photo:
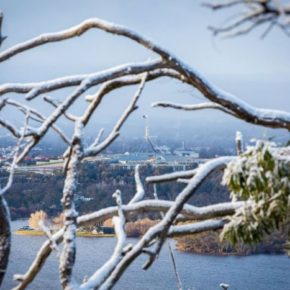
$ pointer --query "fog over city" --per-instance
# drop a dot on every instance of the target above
(145, 135)
(256, 70)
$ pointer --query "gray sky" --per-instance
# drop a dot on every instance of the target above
(256, 70)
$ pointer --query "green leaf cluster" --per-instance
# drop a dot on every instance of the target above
(261, 177)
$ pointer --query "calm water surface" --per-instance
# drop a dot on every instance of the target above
(260, 272)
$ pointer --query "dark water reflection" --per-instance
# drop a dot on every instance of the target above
(197, 272)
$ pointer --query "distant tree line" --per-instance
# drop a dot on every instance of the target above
(33, 191)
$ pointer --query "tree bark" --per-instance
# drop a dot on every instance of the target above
(5, 238)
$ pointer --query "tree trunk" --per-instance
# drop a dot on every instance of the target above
(5, 237)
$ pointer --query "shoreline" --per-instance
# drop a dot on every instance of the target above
(78, 234)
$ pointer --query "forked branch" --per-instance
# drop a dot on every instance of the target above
(253, 13)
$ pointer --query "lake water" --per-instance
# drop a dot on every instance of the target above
(259, 272)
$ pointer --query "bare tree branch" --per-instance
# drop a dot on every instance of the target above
(5, 231)
(73, 81)
(39, 117)
(161, 229)
(194, 107)
(5, 124)
(269, 118)
(258, 12)
(140, 192)
(167, 65)
(147, 206)
(67, 257)
(171, 176)
(35, 267)
(98, 278)
(2, 38)
(91, 151)
(197, 227)
(55, 104)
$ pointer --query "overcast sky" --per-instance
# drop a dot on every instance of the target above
(256, 70)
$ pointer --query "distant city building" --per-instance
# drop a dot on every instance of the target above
(186, 153)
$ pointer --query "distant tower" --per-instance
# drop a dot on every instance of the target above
(146, 127)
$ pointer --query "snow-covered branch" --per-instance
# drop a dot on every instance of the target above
(36, 266)
(11, 128)
(98, 278)
(269, 118)
(36, 116)
(58, 112)
(92, 151)
(194, 107)
(55, 103)
(67, 34)
(146, 206)
(73, 81)
(188, 212)
(197, 227)
(5, 232)
(86, 81)
(161, 229)
(167, 65)
(67, 257)
(140, 192)
(171, 176)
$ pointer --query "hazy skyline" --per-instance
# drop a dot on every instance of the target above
(256, 70)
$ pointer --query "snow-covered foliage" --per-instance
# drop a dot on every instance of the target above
(260, 176)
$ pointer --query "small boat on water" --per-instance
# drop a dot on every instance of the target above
(104, 232)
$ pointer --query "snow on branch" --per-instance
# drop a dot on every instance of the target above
(36, 266)
(194, 107)
(5, 240)
(67, 257)
(260, 175)
(55, 104)
(161, 229)
(140, 192)
(75, 31)
(73, 81)
(58, 112)
(147, 206)
(171, 176)
(90, 80)
(32, 90)
(209, 217)
(15, 156)
(73, 159)
(98, 278)
(197, 227)
(269, 118)
(36, 116)
(11, 128)
(92, 151)
(98, 138)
